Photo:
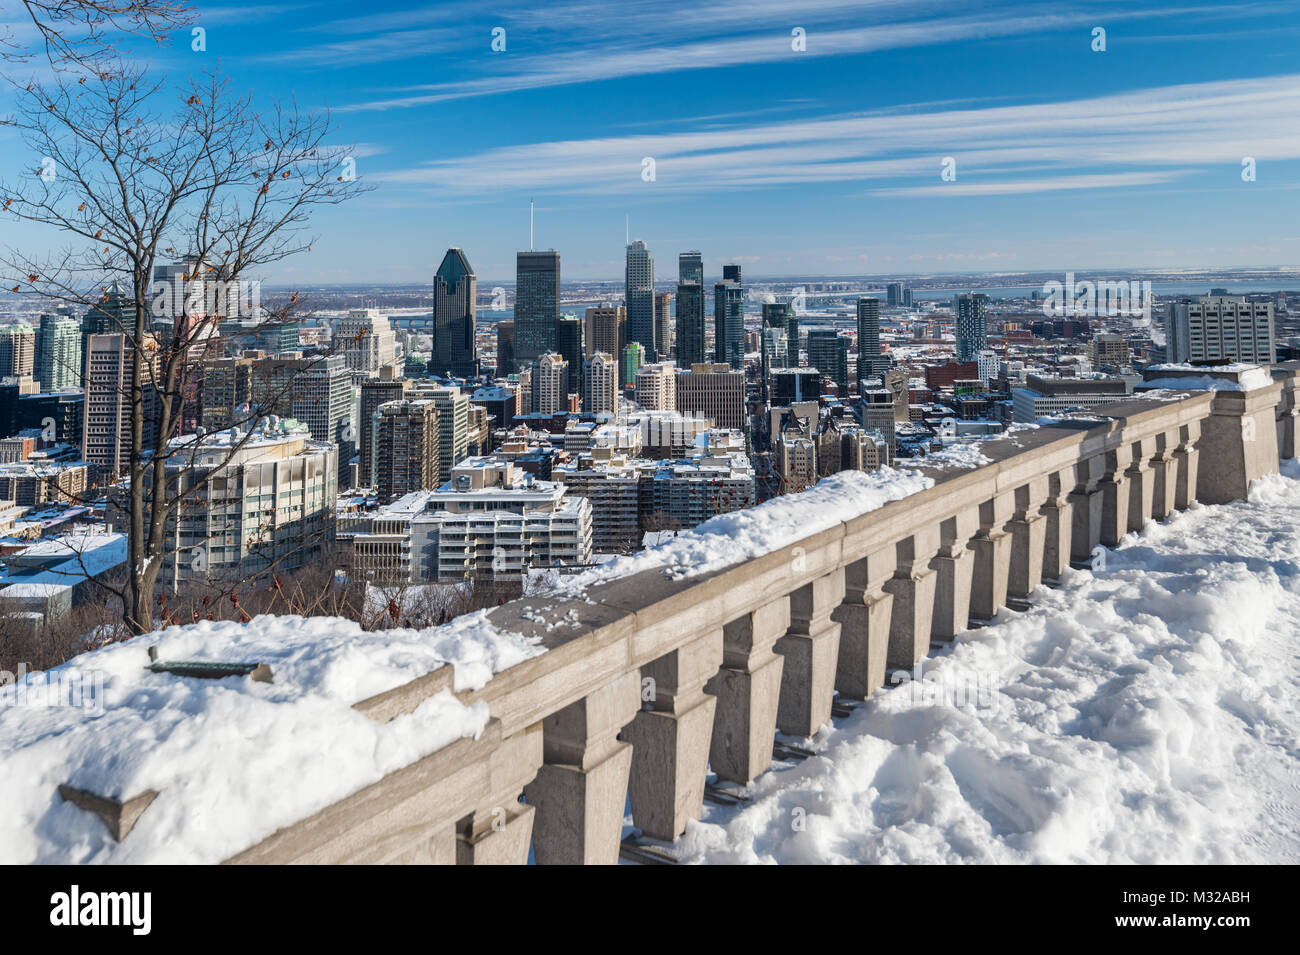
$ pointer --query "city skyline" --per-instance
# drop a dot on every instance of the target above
(1129, 156)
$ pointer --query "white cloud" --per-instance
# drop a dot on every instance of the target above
(1136, 138)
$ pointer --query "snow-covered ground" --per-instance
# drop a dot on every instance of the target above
(1147, 712)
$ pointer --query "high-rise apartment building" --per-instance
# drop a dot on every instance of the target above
(58, 352)
(227, 387)
(663, 324)
(106, 425)
(550, 384)
(453, 424)
(600, 383)
(731, 273)
(633, 358)
(1220, 327)
(374, 393)
(455, 290)
(537, 304)
(17, 351)
(406, 448)
(655, 386)
(729, 323)
(322, 400)
(972, 324)
(715, 391)
(872, 362)
(269, 503)
(366, 341)
(774, 351)
(640, 286)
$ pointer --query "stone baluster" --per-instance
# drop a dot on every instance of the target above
(1164, 472)
(581, 790)
(1086, 501)
(992, 547)
(1028, 528)
(671, 735)
(1115, 495)
(1056, 525)
(748, 689)
(1187, 458)
(811, 648)
(864, 625)
(954, 566)
(913, 586)
(1142, 483)
(1287, 410)
(499, 831)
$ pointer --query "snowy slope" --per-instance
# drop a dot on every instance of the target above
(1147, 712)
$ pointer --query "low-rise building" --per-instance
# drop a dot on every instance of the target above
(1048, 396)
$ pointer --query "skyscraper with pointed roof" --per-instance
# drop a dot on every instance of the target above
(454, 317)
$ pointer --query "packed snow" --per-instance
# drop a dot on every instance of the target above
(1247, 378)
(231, 759)
(743, 535)
(957, 455)
(1144, 712)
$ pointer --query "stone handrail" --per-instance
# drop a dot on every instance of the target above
(648, 681)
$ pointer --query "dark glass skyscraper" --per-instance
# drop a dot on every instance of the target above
(731, 273)
(729, 323)
(871, 362)
(568, 342)
(640, 285)
(454, 317)
(537, 304)
(782, 315)
(690, 268)
(972, 324)
(690, 324)
(828, 353)
(505, 348)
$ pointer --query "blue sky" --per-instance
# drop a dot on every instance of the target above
(826, 160)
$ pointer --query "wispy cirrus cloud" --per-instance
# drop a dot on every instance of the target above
(585, 42)
(1142, 137)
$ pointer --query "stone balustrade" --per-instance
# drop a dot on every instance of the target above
(648, 681)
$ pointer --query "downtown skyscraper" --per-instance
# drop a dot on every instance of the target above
(972, 324)
(537, 305)
(690, 310)
(690, 268)
(454, 317)
(729, 319)
(871, 362)
(640, 285)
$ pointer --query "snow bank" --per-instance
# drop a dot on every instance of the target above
(1145, 713)
(742, 535)
(1248, 378)
(232, 760)
(957, 455)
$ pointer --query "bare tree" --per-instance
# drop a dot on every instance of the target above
(133, 174)
(85, 32)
